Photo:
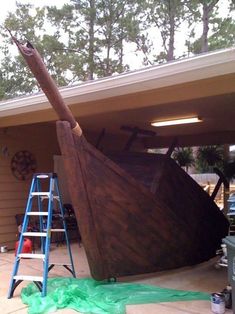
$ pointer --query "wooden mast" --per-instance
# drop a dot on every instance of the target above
(47, 84)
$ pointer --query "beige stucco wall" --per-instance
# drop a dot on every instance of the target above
(40, 140)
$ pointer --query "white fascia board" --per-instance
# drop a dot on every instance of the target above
(186, 70)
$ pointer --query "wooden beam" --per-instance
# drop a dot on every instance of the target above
(131, 139)
(172, 147)
(100, 138)
(221, 180)
(135, 132)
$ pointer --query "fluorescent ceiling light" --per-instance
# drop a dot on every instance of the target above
(176, 121)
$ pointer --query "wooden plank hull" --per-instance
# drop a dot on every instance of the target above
(126, 229)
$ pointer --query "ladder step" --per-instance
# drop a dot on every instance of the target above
(35, 234)
(31, 255)
(42, 176)
(28, 278)
(37, 214)
(60, 264)
(56, 215)
(40, 194)
(57, 230)
(45, 197)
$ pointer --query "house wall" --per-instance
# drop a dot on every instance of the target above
(40, 140)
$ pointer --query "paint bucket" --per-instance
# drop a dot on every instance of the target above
(3, 249)
(217, 303)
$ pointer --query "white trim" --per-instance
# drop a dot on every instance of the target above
(186, 70)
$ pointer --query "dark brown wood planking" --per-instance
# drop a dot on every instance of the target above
(128, 230)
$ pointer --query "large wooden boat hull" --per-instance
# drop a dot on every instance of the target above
(128, 230)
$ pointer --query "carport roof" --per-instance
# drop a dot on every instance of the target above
(199, 86)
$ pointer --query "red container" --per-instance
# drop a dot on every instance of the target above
(27, 246)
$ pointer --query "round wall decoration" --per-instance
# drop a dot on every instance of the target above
(23, 165)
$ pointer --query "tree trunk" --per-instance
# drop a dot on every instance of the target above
(109, 45)
(207, 9)
(107, 66)
(91, 40)
(170, 52)
(205, 20)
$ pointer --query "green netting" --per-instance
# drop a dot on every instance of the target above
(95, 297)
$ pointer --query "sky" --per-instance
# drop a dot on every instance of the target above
(9, 5)
(133, 59)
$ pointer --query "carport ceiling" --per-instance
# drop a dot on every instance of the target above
(217, 114)
(216, 111)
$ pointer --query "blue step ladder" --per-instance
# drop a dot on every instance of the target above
(44, 232)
